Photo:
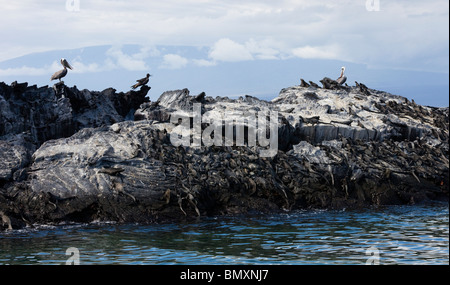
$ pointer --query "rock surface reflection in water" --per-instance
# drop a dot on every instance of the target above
(402, 234)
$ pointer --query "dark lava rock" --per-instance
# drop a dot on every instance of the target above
(68, 155)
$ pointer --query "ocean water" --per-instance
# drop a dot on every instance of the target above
(388, 235)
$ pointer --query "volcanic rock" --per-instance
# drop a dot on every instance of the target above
(73, 156)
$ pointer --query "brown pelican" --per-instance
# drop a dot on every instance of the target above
(60, 74)
(341, 80)
(141, 81)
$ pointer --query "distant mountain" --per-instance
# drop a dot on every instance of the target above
(177, 67)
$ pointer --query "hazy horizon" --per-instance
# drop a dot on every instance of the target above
(230, 48)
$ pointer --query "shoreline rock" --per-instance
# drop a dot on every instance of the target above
(72, 156)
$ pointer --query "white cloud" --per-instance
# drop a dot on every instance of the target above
(31, 71)
(173, 61)
(80, 67)
(404, 34)
(263, 49)
(114, 59)
(228, 50)
(320, 52)
(24, 70)
(133, 62)
(204, 62)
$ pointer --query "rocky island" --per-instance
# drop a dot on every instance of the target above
(69, 155)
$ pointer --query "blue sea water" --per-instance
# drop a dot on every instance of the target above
(390, 235)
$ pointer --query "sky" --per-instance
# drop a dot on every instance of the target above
(232, 47)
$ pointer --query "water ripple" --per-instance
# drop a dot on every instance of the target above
(402, 235)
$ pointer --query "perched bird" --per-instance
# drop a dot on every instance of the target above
(303, 83)
(341, 80)
(314, 84)
(200, 97)
(61, 73)
(362, 88)
(313, 120)
(141, 81)
(328, 83)
(114, 171)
